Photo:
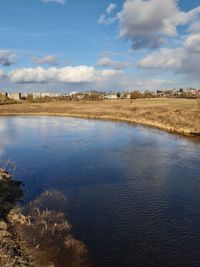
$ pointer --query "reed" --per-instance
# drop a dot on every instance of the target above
(45, 233)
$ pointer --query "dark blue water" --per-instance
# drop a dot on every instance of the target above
(133, 192)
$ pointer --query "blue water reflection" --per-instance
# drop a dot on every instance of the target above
(134, 192)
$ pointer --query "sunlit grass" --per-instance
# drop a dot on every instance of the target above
(45, 233)
(171, 114)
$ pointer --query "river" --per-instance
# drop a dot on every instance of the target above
(133, 192)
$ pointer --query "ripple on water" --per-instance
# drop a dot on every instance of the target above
(133, 192)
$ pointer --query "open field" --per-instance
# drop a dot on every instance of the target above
(175, 115)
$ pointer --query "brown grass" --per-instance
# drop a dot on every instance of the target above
(10, 251)
(45, 233)
(175, 115)
(41, 235)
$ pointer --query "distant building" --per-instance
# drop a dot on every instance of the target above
(13, 96)
(43, 95)
(24, 96)
(160, 93)
(111, 96)
(125, 95)
(73, 93)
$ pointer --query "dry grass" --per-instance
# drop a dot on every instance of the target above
(176, 115)
(10, 253)
(41, 237)
(45, 233)
(5, 100)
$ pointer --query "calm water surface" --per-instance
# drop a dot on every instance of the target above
(133, 192)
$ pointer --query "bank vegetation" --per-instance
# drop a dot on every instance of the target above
(171, 114)
(38, 234)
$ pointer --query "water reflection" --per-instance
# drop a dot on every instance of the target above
(133, 192)
(6, 137)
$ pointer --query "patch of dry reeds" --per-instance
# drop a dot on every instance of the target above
(45, 233)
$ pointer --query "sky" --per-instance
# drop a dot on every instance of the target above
(107, 45)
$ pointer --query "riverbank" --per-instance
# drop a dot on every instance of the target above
(11, 251)
(39, 233)
(174, 115)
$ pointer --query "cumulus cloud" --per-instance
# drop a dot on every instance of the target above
(105, 18)
(184, 59)
(147, 23)
(163, 59)
(107, 62)
(79, 78)
(49, 59)
(193, 43)
(62, 2)
(7, 57)
(79, 74)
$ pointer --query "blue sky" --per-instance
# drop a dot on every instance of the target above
(64, 45)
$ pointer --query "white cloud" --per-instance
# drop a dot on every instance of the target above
(195, 27)
(7, 57)
(104, 18)
(79, 74)
(163, 59)
(147, 23)
(110, 8)
(62, 2)
(49, 59)
(107, 62)
(184, 59)
(193, 43)
(78, 79)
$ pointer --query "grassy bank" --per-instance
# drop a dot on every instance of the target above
(38, 234)
(175, 115)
